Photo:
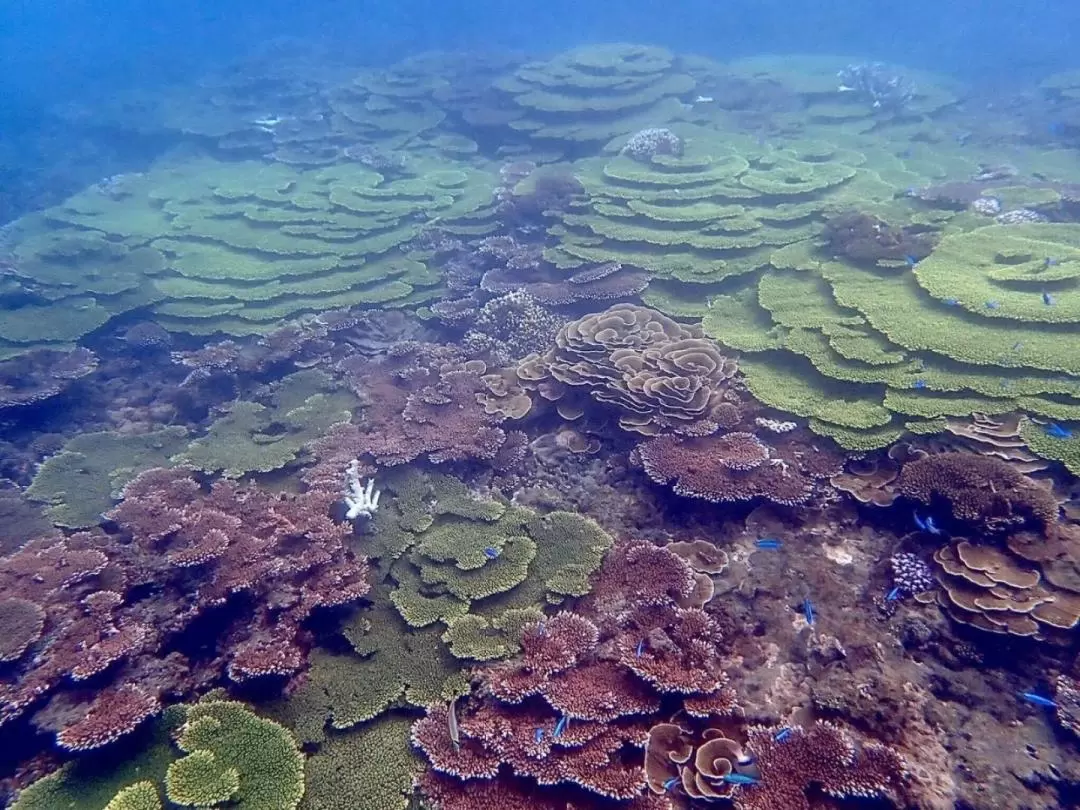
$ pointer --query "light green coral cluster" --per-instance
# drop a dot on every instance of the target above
(234, 247)
(985, 324)
(722, 208)
(593, 93)
(255, 437)
(456, 578)
(228, 757)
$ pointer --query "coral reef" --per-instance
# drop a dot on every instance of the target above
(198, 552)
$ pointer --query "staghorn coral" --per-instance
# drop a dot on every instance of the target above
(659, 374)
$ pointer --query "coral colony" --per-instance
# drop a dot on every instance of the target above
(724, 449)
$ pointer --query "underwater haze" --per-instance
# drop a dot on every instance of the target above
(640, 406)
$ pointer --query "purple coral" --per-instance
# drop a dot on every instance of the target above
(910, 574)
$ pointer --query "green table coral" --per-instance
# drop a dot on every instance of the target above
(214, 246)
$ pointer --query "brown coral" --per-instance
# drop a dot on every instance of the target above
(660, 375)
(983, 491)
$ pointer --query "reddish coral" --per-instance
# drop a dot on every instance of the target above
(112, 604)
(717, 469)
(822, 757)
(575, 708)
(115, 713)
(421, 402)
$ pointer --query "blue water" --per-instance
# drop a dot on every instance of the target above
(53, 49)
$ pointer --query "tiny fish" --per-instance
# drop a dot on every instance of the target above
(1056, 431)
(538, 736)
(919, 384)
(768, 543)
(541, 628)
(808, 611)
(703, 99)
(919, 521)
(782, 734)
(931, 526)
(1038, 700)
(670, 783)
(992, 304)
(1049, 262)
(1048, 299)
(911, 261)
(560, 727)
(640, 648)
(739, 779)
(1018, 346)
(491, 553)
(893, 595)
(951, 302)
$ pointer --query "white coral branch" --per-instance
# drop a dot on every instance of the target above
(362, 499)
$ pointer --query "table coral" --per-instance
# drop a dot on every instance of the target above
(234, 540)
(982, 491)
(571, 709)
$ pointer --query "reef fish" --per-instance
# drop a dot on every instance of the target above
(919, 384)
(1038, 700)
(491, 553)
(640, 648)
(1048, 299)
(782, 734)
(808, 611)
(739, 779)
(1056, 431)
(670, 783)
(911, 261)
(768, 543)
(951, 302)
(452, 724)
(926, 524)
(992, 305)
(893, 595)
(560, 727)
(538, 736)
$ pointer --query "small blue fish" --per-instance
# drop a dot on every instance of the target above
(1018, 346)
(911, 260)
(919, 384)
(541, 628)
(640, 648)
(932, 527)
(1049, 262)
(951, 302)
(769, 543)
(1048, 299)
(1038, 700)
(739, 779)
(672, 782)
(919, 521)
(893, 595)
(1056, 431)
(538, 736)
(491, 553)
(560, 727)
(808, 611)
(992, 304)
(782, 734)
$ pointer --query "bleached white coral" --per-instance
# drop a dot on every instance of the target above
(362, 499)
(775, 425)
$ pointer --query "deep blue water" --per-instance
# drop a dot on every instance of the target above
(50, 49)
